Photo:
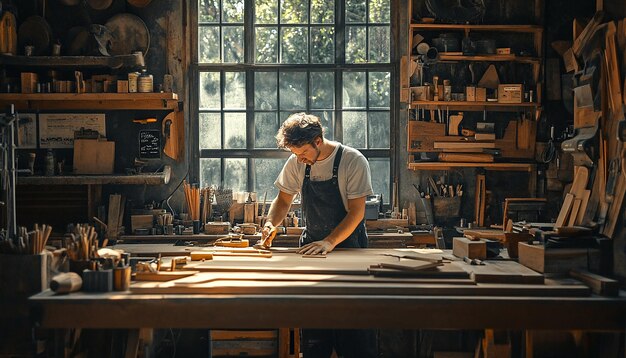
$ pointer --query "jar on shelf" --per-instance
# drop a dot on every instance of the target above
(145, 82)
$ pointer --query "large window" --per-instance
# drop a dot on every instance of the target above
(259, 61)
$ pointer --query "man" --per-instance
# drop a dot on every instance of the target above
(334, 181)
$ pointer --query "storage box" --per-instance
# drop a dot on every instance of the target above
(557, 260)
(93, 156)
(511, 93)
(217, 228)
(503, 50)
(141, 222)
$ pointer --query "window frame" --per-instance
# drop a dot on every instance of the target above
(249, 67)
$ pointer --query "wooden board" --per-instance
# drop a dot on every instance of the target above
(574, 213)
(583, 207)
(339, 261)
(466, 157)
(363, 288)
(566, 208)
(163, 275)
(502, 272)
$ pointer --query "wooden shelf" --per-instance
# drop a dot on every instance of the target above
(90, 101)
(475, 106)
(133, 61)
(138, 179)
(487, 58)
(506, 28)
(526, 167)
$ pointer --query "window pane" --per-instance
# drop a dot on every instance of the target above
(326, 117)
(236, 174)
(266, 172)
(354, 90)
(379, 44)
(234, 130)
(266, 45)
(265, 92)
(266, 11)
(379, 11)
(210, 131)
(322, 90)
(233, 44)
(265, 125)
(378, 130)
(355, 11)
(235, 90)
(208, 44)
(379, 89)
(356, 41)
(210, 169)
(208, 11)
(354, 127)
(233, 10)
(322, 45)
(294, 45)
(294, 11)
(292, 90)
(322, 12)
(210, 90)
(380, 169)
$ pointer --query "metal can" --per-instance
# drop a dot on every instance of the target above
(132, 82)
(145, 82)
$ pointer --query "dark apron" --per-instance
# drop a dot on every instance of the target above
(323, 209)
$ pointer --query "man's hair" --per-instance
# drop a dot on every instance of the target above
(299, 129)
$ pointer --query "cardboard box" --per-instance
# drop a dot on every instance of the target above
(503, 50)
(93, 156)
(511, 93)
(481, 94)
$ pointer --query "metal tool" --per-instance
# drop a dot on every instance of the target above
(145, 121)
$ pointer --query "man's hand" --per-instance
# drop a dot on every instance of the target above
(267, 235)
(321, 247)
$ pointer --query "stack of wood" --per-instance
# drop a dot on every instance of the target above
(27, 242)
(598, 191)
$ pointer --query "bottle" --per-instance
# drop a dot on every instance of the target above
(145, 82)
(50, 163)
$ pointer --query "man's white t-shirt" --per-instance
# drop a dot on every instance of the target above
(354, 176)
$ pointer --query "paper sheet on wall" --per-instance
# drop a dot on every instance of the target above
(56, 130)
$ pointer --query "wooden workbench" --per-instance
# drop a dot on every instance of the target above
(253, 299)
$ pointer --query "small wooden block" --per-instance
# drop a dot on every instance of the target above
(122, 86)
(464, 247)
(29, 82)
(481, 94)
(201, 255)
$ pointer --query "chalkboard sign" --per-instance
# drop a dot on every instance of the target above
(150, 144)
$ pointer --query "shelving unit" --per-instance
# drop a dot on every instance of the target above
(136, 179)
(427, 126)
(91, 101)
